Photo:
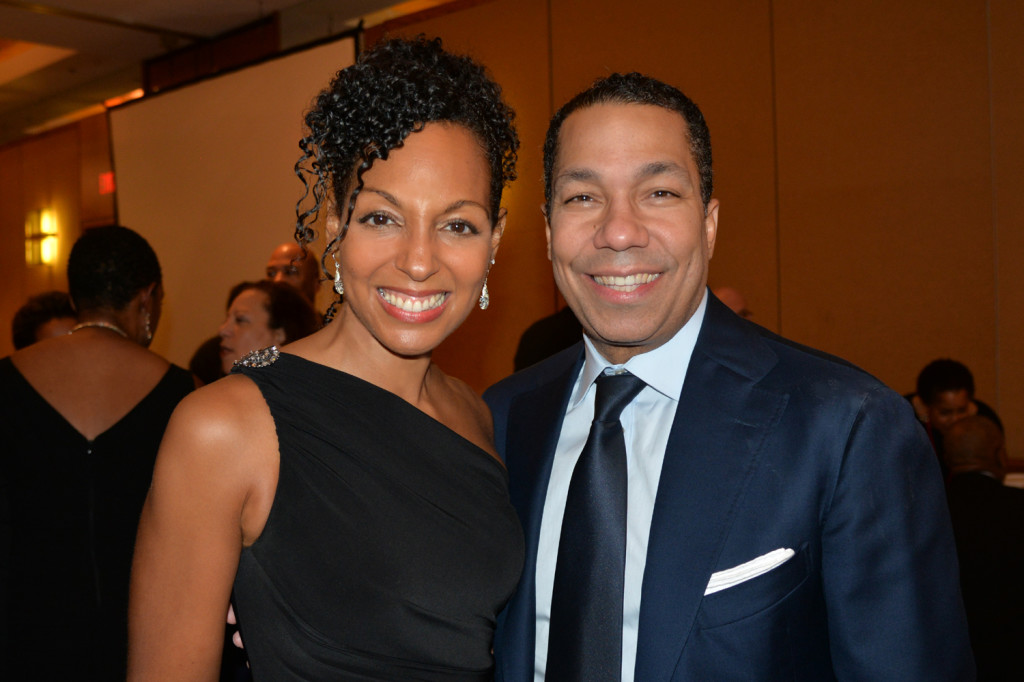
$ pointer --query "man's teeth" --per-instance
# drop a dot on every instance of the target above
(413, 305)
(628, 282)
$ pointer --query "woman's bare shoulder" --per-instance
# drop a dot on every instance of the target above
(229, 415)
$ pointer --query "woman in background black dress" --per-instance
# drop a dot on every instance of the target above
(82, 417)
(351, 485)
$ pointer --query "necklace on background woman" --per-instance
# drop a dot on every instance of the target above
(102, 325)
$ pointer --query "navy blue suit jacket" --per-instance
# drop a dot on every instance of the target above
(773, 445)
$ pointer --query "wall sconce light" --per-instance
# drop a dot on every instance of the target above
(41, 237)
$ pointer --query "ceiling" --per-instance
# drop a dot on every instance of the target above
(61, 59)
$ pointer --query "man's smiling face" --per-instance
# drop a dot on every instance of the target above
(628, 234)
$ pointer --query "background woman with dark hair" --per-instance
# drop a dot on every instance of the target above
(345, 486)
(262, 314)
(43, 315)
(83, 415)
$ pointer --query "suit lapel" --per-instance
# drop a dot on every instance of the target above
(534, 424)
(721, 422)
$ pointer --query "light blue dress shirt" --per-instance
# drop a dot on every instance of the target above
(646, 422)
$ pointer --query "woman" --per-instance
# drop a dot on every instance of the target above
(83, 415)
(262, 314)
(351, 485)
(43, 316)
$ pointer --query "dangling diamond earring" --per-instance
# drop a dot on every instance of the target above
(485, 299)
(146, 328)
(339, 286)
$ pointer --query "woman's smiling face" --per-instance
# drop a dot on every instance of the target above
(420, 240)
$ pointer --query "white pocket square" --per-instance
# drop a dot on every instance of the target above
(731, 577)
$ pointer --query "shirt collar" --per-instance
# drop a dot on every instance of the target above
(663, 368)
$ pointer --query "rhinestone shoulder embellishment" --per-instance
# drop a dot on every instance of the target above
(260, 358)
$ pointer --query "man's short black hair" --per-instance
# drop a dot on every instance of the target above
(943, 375)
(635, 88)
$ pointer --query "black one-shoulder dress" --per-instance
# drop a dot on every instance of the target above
(391, 544)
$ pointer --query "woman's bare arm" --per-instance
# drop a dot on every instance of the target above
(212, 487)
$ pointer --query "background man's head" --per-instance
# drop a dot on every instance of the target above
(975, 444)
(289, 263)
(946, 389)
(631, 224)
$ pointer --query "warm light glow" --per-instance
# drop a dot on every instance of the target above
(78, 115)
(121, 99)
(48, 227)
(400, 10)
(41, 240)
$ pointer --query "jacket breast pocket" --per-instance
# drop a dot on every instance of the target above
(756, 595)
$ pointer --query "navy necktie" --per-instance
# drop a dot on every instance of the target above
(585, 635)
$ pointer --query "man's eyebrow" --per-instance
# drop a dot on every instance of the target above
(576, 174)
(654, 168)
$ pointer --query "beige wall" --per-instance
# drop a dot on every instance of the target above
(868, 158)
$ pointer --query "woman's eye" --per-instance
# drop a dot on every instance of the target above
(461, 227)
(376, 219)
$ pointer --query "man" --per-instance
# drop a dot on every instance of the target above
(785, 516)
(289, 263)
(988, 523)
(945, 395)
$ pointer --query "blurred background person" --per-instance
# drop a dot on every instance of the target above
(945, 395)
(292, 264)
(734, 300)
(988, 524)
(289, 263)
(83, 416)
(547, 336)
(263, 314)
(43, 316)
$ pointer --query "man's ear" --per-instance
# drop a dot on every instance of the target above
(711, 226)
(547, 227)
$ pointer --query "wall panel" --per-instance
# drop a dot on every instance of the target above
(1007, 35)
(886, 242)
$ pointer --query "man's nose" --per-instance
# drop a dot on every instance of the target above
(621, 227)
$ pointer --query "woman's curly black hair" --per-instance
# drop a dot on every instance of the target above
(393, 90)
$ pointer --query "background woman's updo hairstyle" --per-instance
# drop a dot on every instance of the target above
(108, 266)
(286, 307)
(392, 90)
